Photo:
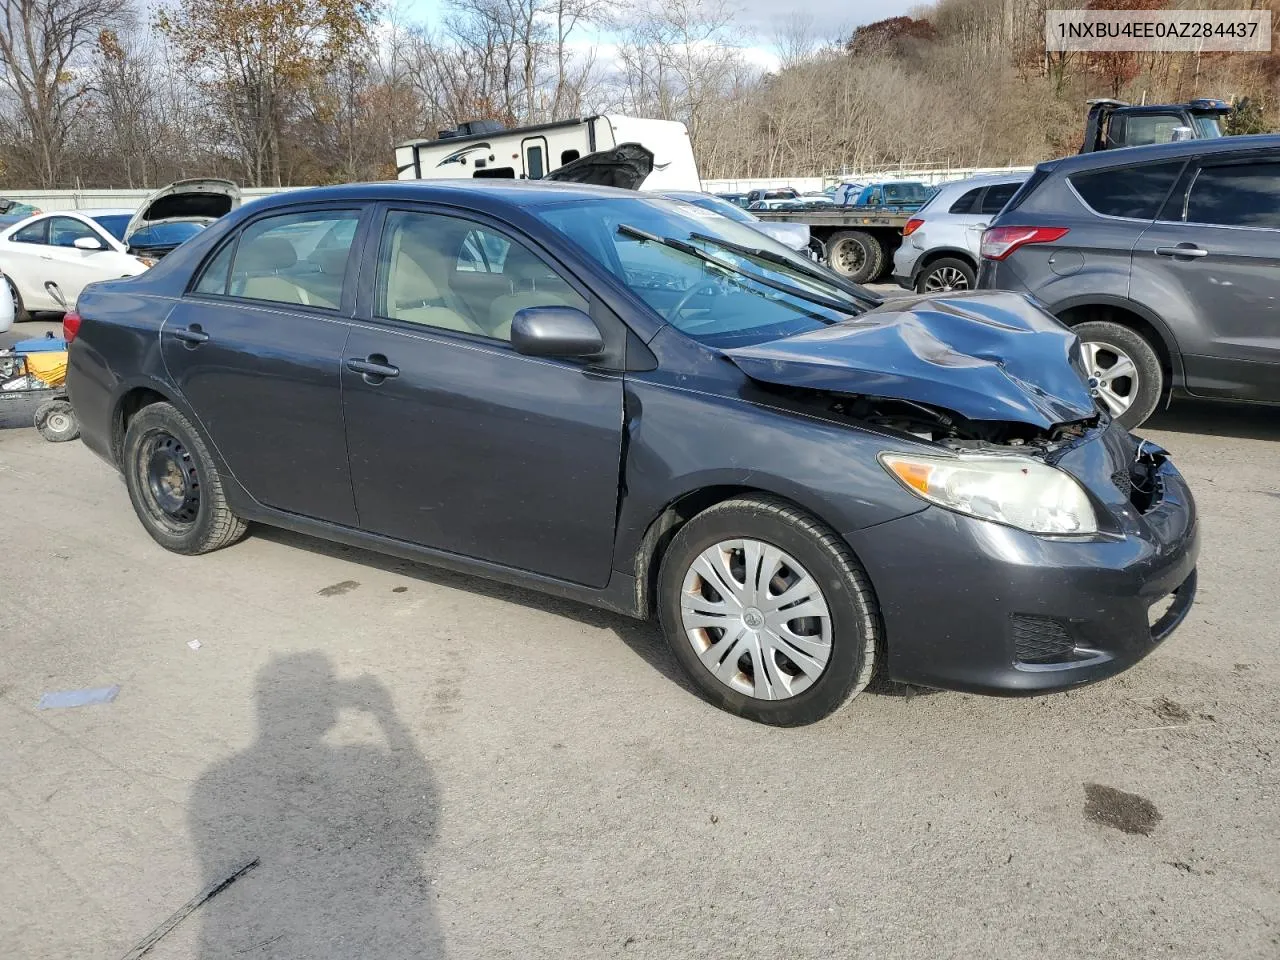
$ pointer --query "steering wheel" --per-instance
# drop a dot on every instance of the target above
(709, 285)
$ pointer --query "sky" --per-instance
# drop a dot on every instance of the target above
(760, 18)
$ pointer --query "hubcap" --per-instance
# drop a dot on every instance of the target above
(849, 257)
(58, 422)
(1113, 376)
(944, 279)
(756, 619)
(172, 479)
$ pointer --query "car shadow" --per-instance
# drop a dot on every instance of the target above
(1247, 421)
(642, 637)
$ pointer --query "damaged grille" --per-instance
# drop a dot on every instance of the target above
(1041, 640)
(1122, 481)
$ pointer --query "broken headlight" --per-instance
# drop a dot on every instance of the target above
(1017, 491)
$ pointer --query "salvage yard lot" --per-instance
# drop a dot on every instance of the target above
(429, 765)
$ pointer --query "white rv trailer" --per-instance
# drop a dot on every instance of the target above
(480, 149)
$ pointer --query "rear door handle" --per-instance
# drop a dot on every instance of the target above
(192, 334)
(374, 368)
(1182, 250)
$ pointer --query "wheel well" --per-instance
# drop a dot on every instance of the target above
(944, 253)
(665, 526)
(126, 410)
(1108, 313)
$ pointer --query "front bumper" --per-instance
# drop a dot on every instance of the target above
(975, 606)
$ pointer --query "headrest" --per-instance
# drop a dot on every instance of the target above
(330, 261)
(270, 253)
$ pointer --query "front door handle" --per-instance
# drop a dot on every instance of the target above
(374, 368)
(1182, 250)
(192, 334)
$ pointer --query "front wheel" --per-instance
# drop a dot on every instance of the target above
(768, 612)
(20, 314)
(174, 484)
(1123, 370)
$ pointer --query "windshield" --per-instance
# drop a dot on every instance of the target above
(722, 207)
(1208, 125)
(113, 223)
(165, 234)
(717, 305)
(906, 192)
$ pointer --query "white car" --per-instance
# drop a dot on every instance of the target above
(76, 248)
(69, 248)
(939, 250)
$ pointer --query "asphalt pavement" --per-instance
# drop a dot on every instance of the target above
(410, 763)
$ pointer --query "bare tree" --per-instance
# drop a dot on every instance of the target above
(41, 67)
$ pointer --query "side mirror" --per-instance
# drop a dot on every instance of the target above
(1182, 133)
(88, 243)
(56, 292)
(555, 332)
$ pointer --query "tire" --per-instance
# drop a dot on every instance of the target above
(856, 256)
(947, 274)
(56, 421)
(174, 485)
(1130, 400)
(849, 635)
(20, 314)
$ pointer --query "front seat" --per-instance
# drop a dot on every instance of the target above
(533, 284)
(412, 293)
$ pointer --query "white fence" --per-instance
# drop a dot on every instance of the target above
(97, 199)
(49, 200)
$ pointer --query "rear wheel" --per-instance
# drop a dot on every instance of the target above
(768, 612)
(946, 274)
(56, 421)
(174, 485)
(20, 314)
(855, 255)
(1124, 371)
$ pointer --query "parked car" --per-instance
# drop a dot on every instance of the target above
(6, 305)
(612, 398)
(737, 199)
(767, 199)
(939, 250)
(794, 236)
(1164, 259)
(16, 208)
(75, 248)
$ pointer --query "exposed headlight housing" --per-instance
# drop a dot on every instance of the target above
(1017, 491)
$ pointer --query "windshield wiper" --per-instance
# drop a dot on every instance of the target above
(697, 254)
(769, 256)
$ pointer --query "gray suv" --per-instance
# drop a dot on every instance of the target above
(1164, 259)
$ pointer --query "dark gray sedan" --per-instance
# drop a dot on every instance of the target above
(606, 396)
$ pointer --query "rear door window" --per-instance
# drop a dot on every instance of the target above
(1236, 195)
(295, 258)
(996, 197)
(1135, 192)
(967, 202)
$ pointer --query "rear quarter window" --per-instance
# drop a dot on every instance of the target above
(1136, 192)
(966, 202)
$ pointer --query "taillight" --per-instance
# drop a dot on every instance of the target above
(70, 326)
(999, 242)
(912, 225)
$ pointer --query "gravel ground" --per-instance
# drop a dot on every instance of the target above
(428, 765)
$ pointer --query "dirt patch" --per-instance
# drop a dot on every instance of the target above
(1127, 812)
(337, 589)
(1170, 711)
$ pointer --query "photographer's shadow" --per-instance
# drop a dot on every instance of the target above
(340, 830)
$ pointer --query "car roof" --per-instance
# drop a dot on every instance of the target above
(524, 193)
(106, 212)
(983, 180)
(1123, 156)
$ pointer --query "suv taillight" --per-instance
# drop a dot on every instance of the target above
(999, 242)
(70, 326)
(911, 226)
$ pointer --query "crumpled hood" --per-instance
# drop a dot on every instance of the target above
(794, 236)
(985, 355)
(625, 166)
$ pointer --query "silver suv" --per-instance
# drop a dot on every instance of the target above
(939, 250)
(1164, 259)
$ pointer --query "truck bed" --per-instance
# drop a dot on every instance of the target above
(837, 217)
